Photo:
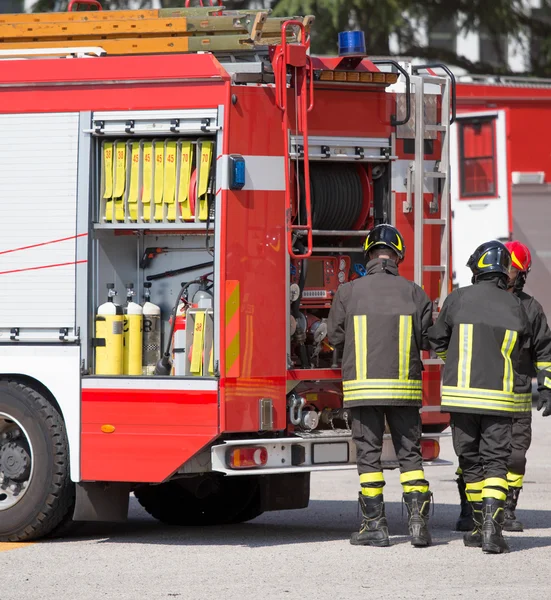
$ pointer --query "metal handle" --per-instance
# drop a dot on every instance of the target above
(393, 63)
(201, 3)
(89, 3)
(417, 68)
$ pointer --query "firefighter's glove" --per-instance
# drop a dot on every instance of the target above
(544, 400)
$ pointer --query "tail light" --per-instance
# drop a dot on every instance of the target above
(430, 449)
(247, 457)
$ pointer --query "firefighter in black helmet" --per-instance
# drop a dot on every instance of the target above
(480, 333)
(381, 321)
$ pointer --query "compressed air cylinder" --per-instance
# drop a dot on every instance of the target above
(133, 333)
(109, 336)
(151, 343)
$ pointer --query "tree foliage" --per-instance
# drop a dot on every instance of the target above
(382, 19)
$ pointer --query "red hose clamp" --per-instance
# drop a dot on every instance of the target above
(88, 3)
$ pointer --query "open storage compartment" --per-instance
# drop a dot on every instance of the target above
(152, 259)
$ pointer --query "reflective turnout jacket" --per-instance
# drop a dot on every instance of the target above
(481, 333)
(537, 361)
(380, 321)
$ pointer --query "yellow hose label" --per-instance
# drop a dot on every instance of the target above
(134, 181)
(170, 180)
(159, 179)
(147, 179)
(108, 179)
(204, 171)
(198, 333)
(185, 178)
(120, 180)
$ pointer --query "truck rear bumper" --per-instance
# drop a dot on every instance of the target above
(310, 452)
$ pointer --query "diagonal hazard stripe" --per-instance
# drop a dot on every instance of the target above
(233, 338)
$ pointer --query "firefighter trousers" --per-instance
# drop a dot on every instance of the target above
(483, 446)
(522, 438)
(368, 427)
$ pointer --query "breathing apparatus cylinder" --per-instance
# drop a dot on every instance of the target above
(109, 336)
(151, 340)
(133, 333)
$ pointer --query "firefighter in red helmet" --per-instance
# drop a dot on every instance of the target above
(521, 263)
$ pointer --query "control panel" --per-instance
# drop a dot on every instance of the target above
(324, 274)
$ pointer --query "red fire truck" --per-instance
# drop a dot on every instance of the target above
(496, 156)
(204, 157)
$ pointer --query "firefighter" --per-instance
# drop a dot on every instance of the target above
(381, 322)
(480, 333)
(521, 263)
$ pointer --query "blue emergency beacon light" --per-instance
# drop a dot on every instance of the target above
(352, 43)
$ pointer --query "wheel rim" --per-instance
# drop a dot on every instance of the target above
(16, 461)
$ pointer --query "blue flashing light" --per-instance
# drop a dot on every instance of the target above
(352, 43)
(237, 172)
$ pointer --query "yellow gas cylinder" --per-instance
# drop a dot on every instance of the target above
(133, 334)
(109, 336)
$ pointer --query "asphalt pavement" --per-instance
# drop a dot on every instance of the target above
(301, 554)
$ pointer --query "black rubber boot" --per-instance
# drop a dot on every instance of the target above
(510, 522)
(465, 521)
(473, 539)
(418, 505)
(492, 525)
(374, 528)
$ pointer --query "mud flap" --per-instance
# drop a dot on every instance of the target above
(285, 492)
(102, 501)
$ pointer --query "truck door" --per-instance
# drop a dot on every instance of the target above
(480, 186)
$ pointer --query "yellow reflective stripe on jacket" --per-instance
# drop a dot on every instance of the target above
(443, 355)
(465, 355)
(480, 404)
(404, 347)
(486, 394)
(388, 394)
(547, 382)
(523, 402)
(541, 366)
(509, 341)
(355, 384)
(360, 339)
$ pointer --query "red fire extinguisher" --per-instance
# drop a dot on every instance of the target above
(179, 340)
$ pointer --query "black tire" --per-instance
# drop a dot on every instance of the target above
(49, 498)
(233, 500)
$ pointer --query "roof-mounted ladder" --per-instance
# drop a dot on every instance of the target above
(122, 32)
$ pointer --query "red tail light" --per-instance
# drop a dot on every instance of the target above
(430, 449)
(249, 456)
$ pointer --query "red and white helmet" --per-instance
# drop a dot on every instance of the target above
(521, 258)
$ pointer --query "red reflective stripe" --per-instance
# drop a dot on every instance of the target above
(74, 262)
(72, 237)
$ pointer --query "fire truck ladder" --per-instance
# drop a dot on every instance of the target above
(294, 58)
(440, 176)
(123, 32)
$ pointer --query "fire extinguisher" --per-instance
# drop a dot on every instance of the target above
(179, 339)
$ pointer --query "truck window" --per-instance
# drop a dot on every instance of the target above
(477, 158)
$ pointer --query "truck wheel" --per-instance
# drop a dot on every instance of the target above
(177, 502)
(36, 493)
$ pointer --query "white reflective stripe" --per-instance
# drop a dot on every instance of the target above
(262, 173)
(119, 383)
